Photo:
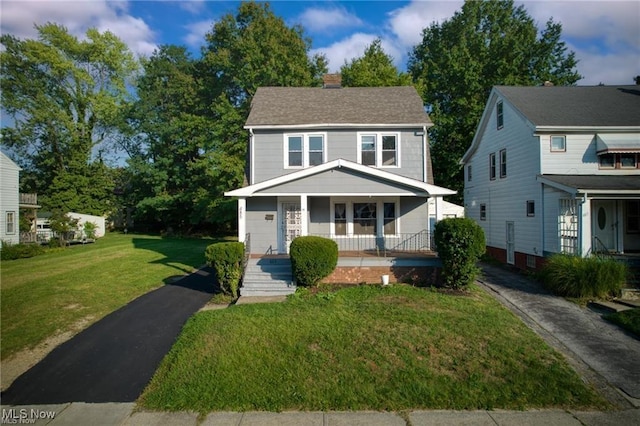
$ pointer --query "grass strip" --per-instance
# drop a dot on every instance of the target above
(629, 320)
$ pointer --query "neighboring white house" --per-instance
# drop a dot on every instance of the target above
(9, 200)
(448, 210)
(351, 164)
(44, 227)
(556, 169)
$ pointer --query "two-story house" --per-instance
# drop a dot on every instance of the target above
(556, 170)
(351, 164)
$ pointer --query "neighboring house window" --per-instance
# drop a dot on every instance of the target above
(558, 144)
(607, 161)
(373, 153)
(389, 219)
(340, 218)
(503, 163)
(492, 166)
(531, 208)
(304, 150)
(364, 218)
(11, 222)
(633, 216)
(628, 161)
(500, 115)
(469, 173)
(483, 212)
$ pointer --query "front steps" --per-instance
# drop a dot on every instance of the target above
(268, 276)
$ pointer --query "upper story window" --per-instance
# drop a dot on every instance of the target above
(558, 143)
(628, 161)
(379, 149)
(503, 163)
(607, 161)
(618, 161)
(531, 208)
(499, 115)
(469, 175)
(492, 166)
(304, 150)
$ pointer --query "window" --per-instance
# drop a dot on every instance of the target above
(340, 218)
(364, 218)
(500, 115)
(607, 161)
(373, 153)
(503, 163)
(11, 222)
(633, 216)
(304, 150)
(389, 219)
(295, 151)
(628, 161)
(492, 166)
(469, 173)
(558, 144)
(389, 150)
(483, 212)
(531, 208)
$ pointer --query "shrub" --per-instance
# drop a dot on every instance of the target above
(312, 259)
(575, 276)
(19, 251)
(460, 243)
(226, 259)
(90, 229)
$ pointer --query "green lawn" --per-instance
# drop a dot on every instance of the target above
(78, 285)
(629, 320)
(364, 348)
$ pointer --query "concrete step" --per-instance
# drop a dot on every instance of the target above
(267, 274)
(268, 271)
(630, 303)
(270, 261)
(609, 306)
(630, 294)
(266, 292)
(268, 284)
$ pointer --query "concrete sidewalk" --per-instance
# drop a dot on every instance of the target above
(601, 352)
(79, 413)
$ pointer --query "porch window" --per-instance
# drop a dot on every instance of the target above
(633, 216)
(364, 218)
(295, 151)
(389, 151)
(492, 166)
(389, 218)
(11, 222)
(499, 115)
(340, 218)
(368, 150)
(503, 163)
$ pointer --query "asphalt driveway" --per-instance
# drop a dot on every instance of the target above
(601, 352)
(114, 359)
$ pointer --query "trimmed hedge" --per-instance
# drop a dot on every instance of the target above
(226, 259)
(575, 276)
(19, 251)
(312, 259)
(460, 243)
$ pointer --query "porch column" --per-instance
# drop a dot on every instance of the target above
(438, 205)
(242, 219)
(584, 226)
(304, 216)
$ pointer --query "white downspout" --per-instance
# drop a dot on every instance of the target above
(251, 157)
(424, 153)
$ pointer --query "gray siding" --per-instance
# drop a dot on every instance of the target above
(319, 215)
(269, 155)
(264, 232)
(414, 215)
(9, 198)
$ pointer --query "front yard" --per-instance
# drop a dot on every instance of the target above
(364, 348)
(66, 290)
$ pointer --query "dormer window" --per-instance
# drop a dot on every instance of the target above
(304, 150)
(379, 149)
(499, 115)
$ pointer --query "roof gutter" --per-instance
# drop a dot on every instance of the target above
(337, 126)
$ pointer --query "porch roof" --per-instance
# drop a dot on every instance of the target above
(593, 185)
(393, 184)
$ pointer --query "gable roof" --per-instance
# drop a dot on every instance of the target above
(337, 107)
(417, 186)
(576, 106)
(8, 163)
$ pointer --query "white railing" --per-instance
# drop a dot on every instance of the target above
(384, 245)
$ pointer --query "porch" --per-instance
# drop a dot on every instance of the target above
(28, 204)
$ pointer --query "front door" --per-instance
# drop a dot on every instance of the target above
(511, 243)
(605, 225)
(291, 226)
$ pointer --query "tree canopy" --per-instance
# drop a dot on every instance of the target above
(374, 68)
(64, 97)
(458, 61)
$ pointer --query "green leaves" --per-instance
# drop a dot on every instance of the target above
(374, 69)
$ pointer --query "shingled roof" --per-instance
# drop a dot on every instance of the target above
(576, 106)
(349, 106)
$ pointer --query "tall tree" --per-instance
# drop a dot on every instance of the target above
(374, 69)
(64, 97)
(244, 51)
(458, 61)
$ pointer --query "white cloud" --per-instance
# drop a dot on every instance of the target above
(196, 32)
(319, 19)
(19, 17)
(192, 6)
(345, 50)
(407, 23)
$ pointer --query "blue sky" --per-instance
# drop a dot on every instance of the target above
(604, 34)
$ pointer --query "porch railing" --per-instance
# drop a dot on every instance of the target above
(384, 245)
(599, 249)
(28, 199)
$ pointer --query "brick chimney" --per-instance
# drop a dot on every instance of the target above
(332, 81)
